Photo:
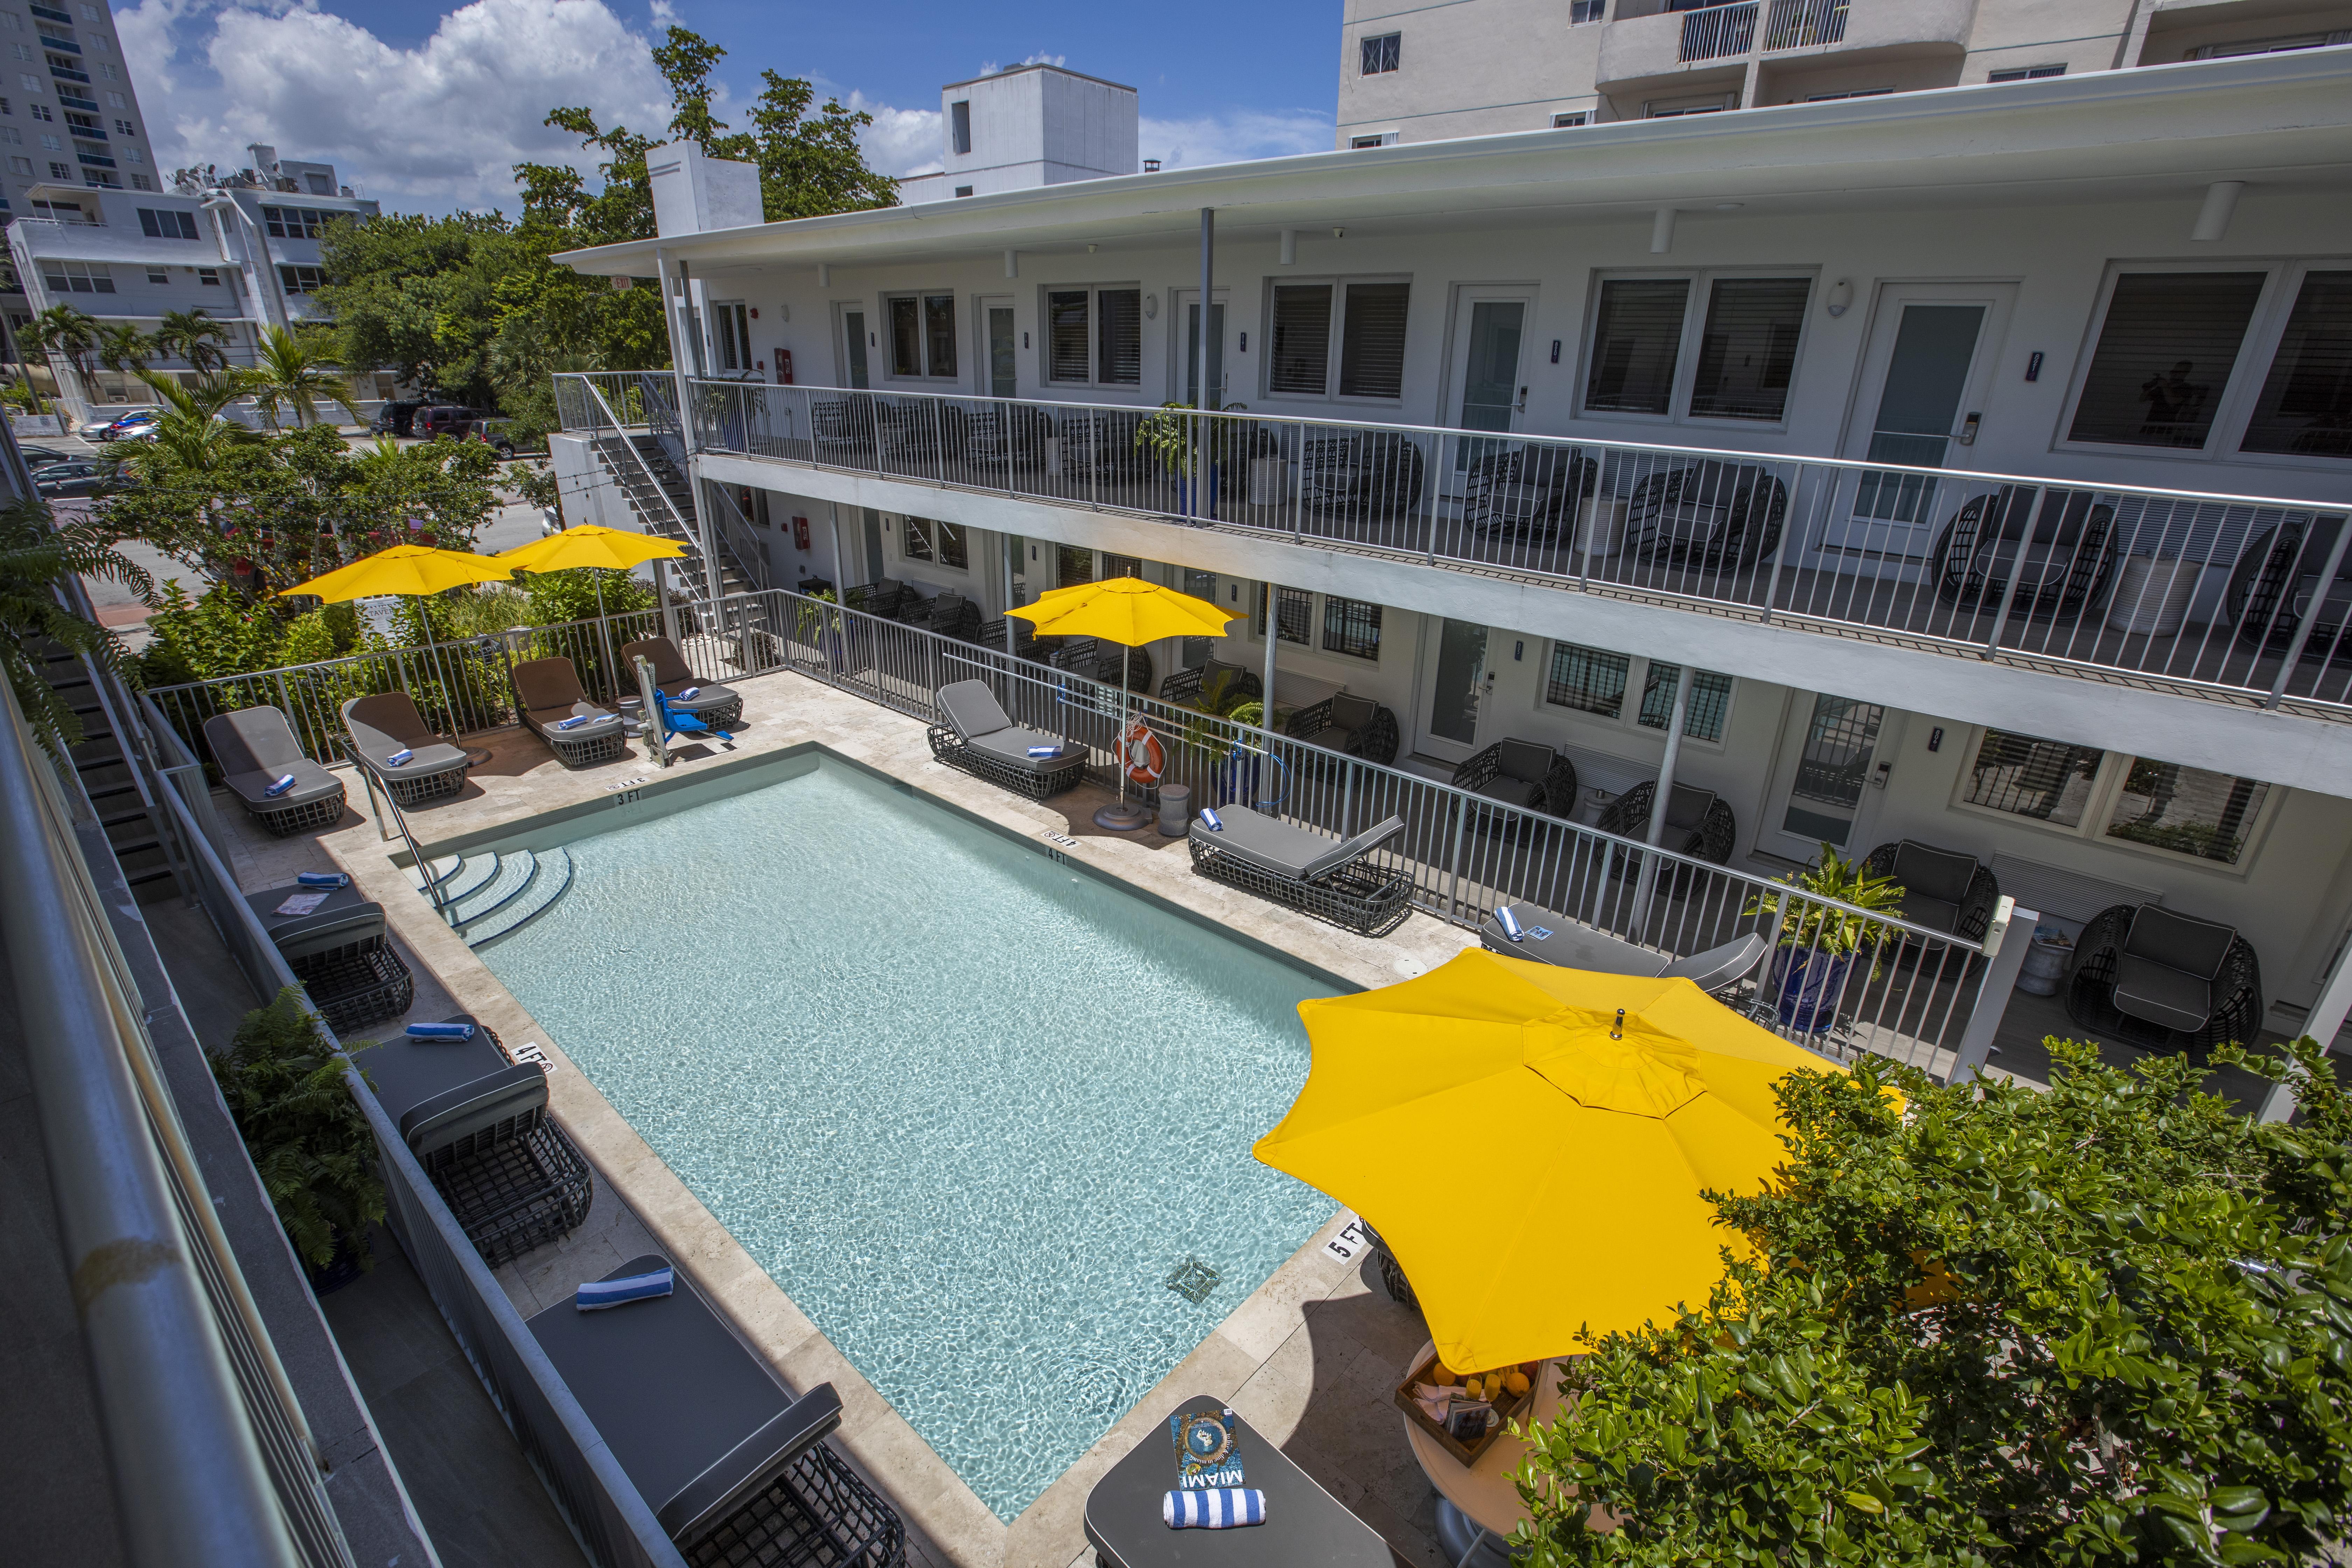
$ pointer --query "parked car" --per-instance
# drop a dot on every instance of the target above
(88, 428)
(497, 433)
(132, 424)
(80, 477)
(398, 416)
(448, 419)
(35, 456)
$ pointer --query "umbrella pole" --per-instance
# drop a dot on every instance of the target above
(1121, 817)
(474, 754)
(604, 630)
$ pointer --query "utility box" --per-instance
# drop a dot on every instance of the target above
(693, 192)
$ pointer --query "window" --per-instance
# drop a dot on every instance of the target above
(76, 277)
(2306, 400)
(2164, 355)
(32, 83)
(959, 125)
(1564, 121)
(11, 136)
(85, 125)
(49, 141)
(1587, 679)
(1379, 53)
(1295, 615)
(39, 111)
(124, 128)
(1351, 626)
(139, 182)
(2027, 73)
(116, 100)
(731, 334)
(1301, 353)
(1842, 97)
(1582, 11)
(2185, 809)
(2277, 45)
(1115, 565)
(21, 166)
(133, 154)
(1370, 339)
(922, 334)
(110, 73)
(1675, 108)
(159, 275)
(1073, 564)
(301, 279)
(937, 541)
(295, 223)
(61, 171)
(1643, 330)
(963, 190)
(22, 51)
(208, 276)
(1358, 143)
(1710, 700)
(166, 224)
(1094, 336)
(2026, 776)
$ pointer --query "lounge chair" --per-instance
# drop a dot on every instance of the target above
(1942, 890)
(2275, 584)
(547, 692)
(1353, 726)
(1697, 824)
(341, 952)
(2152, 977)
(254, 748)
(1312, 873)
(378, 728)
(733, 1468)
(719, 707)
(981, 738)
(478, 1122)
(1525, 774)
(1552, 938)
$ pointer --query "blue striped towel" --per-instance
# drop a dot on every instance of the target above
(279, 785)
(576, 721)
(1045, 751)
(598, 1295)
(1213, 1507)
(440, 1032)
(323, 879)
(1211, 821)
(688, 694)
(399, 758)
(1509, 922)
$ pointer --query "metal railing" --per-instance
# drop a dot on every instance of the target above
(1718, 31)
(584, 405)
(1799, 24)
(737, 536)
(2208, 595)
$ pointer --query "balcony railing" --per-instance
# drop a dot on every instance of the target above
(1799, 24)
(1718, 31)
(64, 73)
(2212, 595)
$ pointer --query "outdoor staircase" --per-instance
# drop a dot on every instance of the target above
(491, 893)
(647, 497)
(107, 777)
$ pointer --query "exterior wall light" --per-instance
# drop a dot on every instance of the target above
(1841, 296)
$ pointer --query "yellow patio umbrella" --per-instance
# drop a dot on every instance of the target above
(592, 546)
(1129, 611)
(1532, 1156)
(410, 571)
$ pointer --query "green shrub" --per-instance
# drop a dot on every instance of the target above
(560, 596)
(292, 1103)
(222, 633)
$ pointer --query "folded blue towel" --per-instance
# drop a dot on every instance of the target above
(399, 759)
(1510, 923)
(1211, 821)
(1213, 1507)
(323, 879)
(598, 1295)
(440, 1032)
(576, 721)
(689, 694)
(1045, 751)
(279, 785)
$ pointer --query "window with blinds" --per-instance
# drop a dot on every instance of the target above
(1372, 340)
(931, 540)
(906, 337)
(2164, 357)
(1073, 564)
(1590, 680)
(1120, 566)
(1710, 700)
(939, 329)
(1066, 318)
(1300, 357)
(1295, 617)
(1351, 626)
(2305, 405)
(1747, 348)
(1637, 337)
(2027, 776)
(1118, 357)
(2188, 811)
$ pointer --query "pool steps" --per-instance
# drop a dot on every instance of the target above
(489, 893)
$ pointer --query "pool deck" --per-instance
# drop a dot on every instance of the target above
(1308, 1359)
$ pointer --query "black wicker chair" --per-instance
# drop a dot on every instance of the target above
(2276, 583)
(1101, 661)
(920, 435)
(1529, 491)
(1527, 774)
(882, 597)
(342, 951)
(2059, 571)
(1007, 435)
(980, 739)
(1367, 477)
(1349, 726)
(2149, 976)
(1698, 825)
(1943, 890)
(1212, 687)
(844, 427)
(1714, 515)
(952, 615)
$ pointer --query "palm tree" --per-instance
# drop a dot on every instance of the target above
(36, 558)
(62, 330)
(123, 346)
(193, 337)
(190, 434)
(287, 370)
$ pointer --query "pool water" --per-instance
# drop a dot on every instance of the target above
(970, 1108)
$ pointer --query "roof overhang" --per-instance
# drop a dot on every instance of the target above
(2274, 121)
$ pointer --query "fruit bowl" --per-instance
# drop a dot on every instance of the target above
(1508, 1406)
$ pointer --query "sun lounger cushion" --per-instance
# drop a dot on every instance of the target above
(1718, 967)
(2149, 990)
(472, 1107)
(1298, 853)
(406, 1072)
(972, 710)
(255, 747)
(388, 723)
(339, 919)
(2177, 941)
(1015, 744)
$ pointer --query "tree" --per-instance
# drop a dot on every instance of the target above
(293, 371)
(123, 346)
(192, 335)
(36, 558)
(62, 331)
(2106, 1323)
(417, 294)
(190, 436)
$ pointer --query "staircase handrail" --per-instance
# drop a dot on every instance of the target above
(380, 787)
(686, 529)
(739, 540)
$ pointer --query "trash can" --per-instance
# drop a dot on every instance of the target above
(1175, 810)
(2045, 962)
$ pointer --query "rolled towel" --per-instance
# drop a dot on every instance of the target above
(1045, 751)
(440, 1032)
(598, 1295)
(576, 721)
(323, 879)
(1213, 1507)
(399, 759)
(279, 785)
(1211, 821)
(688, 694)
(1509, 922)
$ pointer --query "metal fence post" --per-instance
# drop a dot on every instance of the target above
(2006, 943)
(2311, 619)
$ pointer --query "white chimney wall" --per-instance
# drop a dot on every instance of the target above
(1031, 126)
(695, 194)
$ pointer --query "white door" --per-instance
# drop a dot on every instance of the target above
(1821, 787)
(1926, 377)
(1487, 388)
(998, 359)
(1183, 352)
(1455, 683)
(857, 343)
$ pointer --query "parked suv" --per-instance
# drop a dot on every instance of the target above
(397, 416)
(448, 419)
(496, 433)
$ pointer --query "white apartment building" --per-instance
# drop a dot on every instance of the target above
(1412, 72)
(1981, 451)
(1025, 127)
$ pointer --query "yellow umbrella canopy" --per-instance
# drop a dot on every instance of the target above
(1534, 1162)
(588, 545)
(1125, 610)
(403, 570)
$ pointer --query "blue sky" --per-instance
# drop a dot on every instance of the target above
(425, 106)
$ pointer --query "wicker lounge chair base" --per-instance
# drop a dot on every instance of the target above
(815, 1511)
(1037, 784)
(1357, 898)
(355, 986)
(515, 1194)
(726, 713)
(597, 748)
(410, 793)
(286, 819)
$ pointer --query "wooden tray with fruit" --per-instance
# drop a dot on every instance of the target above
(1446, 1404)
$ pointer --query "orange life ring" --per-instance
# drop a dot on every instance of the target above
(1139, 751)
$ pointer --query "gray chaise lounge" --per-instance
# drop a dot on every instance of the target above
(1574, 945)
(1310, 872)
(380, 727)
(255, 747)
(478, 1122)
(341, 952)
(547, 692)
(733, 1468)
(721, 707)
(981, 738)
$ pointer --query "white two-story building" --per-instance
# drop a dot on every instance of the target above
(1980, 453)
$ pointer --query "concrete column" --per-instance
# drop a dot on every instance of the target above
(2323, 1022)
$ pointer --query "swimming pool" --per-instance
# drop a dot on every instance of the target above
(970, 1108)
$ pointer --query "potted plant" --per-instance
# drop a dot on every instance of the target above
(307, 1136)
(1820, 940)
(1178, 432)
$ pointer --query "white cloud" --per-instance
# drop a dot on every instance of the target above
(1234, 136)
(900, 140)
